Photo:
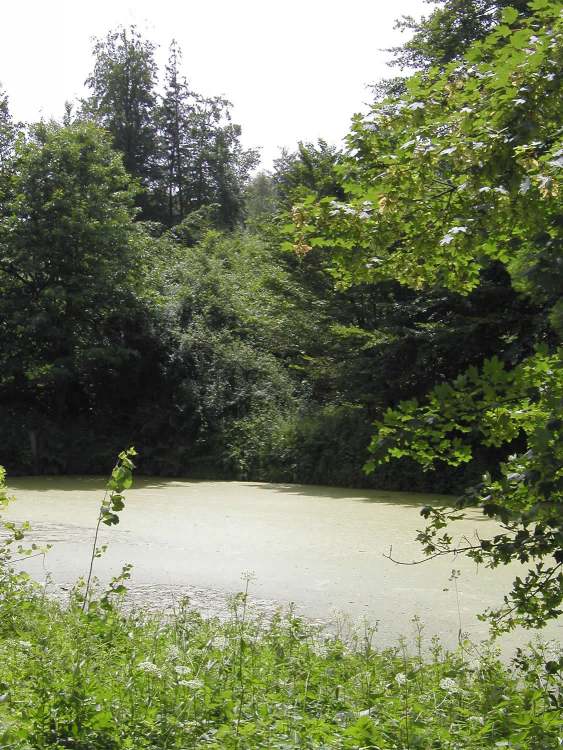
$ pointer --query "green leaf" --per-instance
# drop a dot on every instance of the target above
(110, 519)
(509, 15)
(520, 39)
(102, 720)
(117, 502)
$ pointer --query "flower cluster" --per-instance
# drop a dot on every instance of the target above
(149, 668)
(449, 685)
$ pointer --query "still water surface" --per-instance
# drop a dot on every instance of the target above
(320, 547)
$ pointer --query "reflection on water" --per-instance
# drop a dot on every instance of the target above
(320, 547)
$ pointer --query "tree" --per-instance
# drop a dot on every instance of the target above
(175, 113)
(443, 36)
(203, 163)
(459, 173)
(182, 146)
(220, 167)
(69, 267)
(313, 167)
(449, 31)
(7, 130)
(235, 321)
(123, 98)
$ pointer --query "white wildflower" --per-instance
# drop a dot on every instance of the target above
(449, 685)
(449, 236)
(181, 669)
(400, 678)
(173, 652)
(25, 644)
(477, 719)
(220, 642)
(321, 649)
(525, 185)
(149, 668)
(416, 105)
(447, 151)
(192, 684)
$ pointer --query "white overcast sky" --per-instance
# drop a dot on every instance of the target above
(294, 69)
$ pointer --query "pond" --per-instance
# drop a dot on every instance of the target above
(320, 547)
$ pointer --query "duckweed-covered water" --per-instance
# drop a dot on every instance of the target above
(320, 547)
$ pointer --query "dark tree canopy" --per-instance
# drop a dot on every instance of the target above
(123, 98)
(69, 266)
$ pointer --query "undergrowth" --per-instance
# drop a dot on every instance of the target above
(93, 675)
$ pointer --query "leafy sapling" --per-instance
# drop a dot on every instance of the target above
(121, 479)
(13, 534)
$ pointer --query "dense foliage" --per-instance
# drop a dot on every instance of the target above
(449, 31)
(457, 175)
(218, 353)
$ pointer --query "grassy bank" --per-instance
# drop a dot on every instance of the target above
(109, 679)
